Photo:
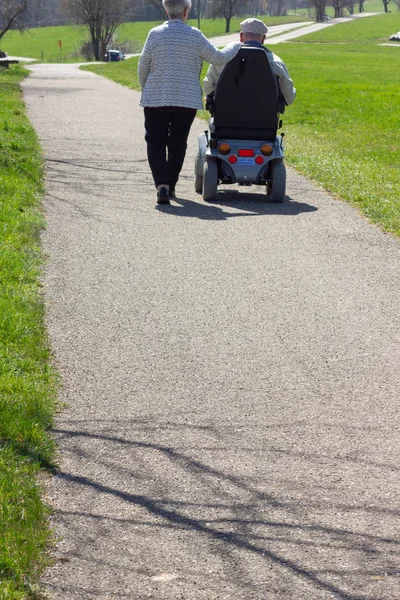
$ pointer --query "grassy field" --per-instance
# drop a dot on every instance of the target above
(42, 43)
(369, 6)
(342, 129)
(369, 31)
(27, 382)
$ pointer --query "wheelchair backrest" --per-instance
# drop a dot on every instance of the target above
(246, 97)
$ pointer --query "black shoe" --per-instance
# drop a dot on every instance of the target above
(172, 193)
(163, 196)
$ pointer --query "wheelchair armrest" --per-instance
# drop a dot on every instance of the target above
(210, 103)
(281, 103)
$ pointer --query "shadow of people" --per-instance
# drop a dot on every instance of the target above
(244, 205)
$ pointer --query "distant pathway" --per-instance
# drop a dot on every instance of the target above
(273, 30)
(230, 373)
(284, 33)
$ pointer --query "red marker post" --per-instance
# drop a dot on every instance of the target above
(60, 46)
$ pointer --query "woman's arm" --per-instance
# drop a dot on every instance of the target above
(211, 54)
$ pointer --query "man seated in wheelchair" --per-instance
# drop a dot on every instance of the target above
(253, 33)
(245, 99)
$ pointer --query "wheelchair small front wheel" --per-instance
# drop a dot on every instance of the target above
(210, 180)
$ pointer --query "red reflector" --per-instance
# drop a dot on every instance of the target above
(232, 159)
(246, 153)
(259, 160)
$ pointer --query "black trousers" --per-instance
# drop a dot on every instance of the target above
(167, 131)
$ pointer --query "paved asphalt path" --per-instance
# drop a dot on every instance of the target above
(230, 374)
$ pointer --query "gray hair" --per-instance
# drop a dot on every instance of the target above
(175, 8)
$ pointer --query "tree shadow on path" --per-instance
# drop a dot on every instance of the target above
(236, 514)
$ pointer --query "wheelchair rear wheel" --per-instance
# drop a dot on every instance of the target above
(210, 180)
(198, 172)
(277, 188)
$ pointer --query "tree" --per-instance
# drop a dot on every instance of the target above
(338, 6)
(44, 13)
(226, 9)
(149, 10)
(10, 15)
(319, 6)
(277, 8)
(101, 17)
(385, 5)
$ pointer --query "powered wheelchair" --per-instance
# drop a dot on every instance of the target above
(242, 145)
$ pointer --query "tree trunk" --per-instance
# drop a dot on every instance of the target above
(227, 24)
(103, 49)
(96, 48)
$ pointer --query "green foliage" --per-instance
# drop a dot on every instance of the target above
(27, 383)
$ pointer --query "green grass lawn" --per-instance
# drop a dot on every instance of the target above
(343, 128)
(369, 6)
(375, 6)
(27, 381)
(42, 42)
(124, 72)
(370, 30)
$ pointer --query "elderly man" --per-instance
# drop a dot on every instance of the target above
(253, 33)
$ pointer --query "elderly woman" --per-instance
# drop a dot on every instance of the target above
(169, 75)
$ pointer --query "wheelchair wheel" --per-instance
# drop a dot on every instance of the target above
(210, 180)
(198, 172)
(277, 188)
(199, 162)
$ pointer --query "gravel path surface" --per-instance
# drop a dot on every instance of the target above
(230, 374)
